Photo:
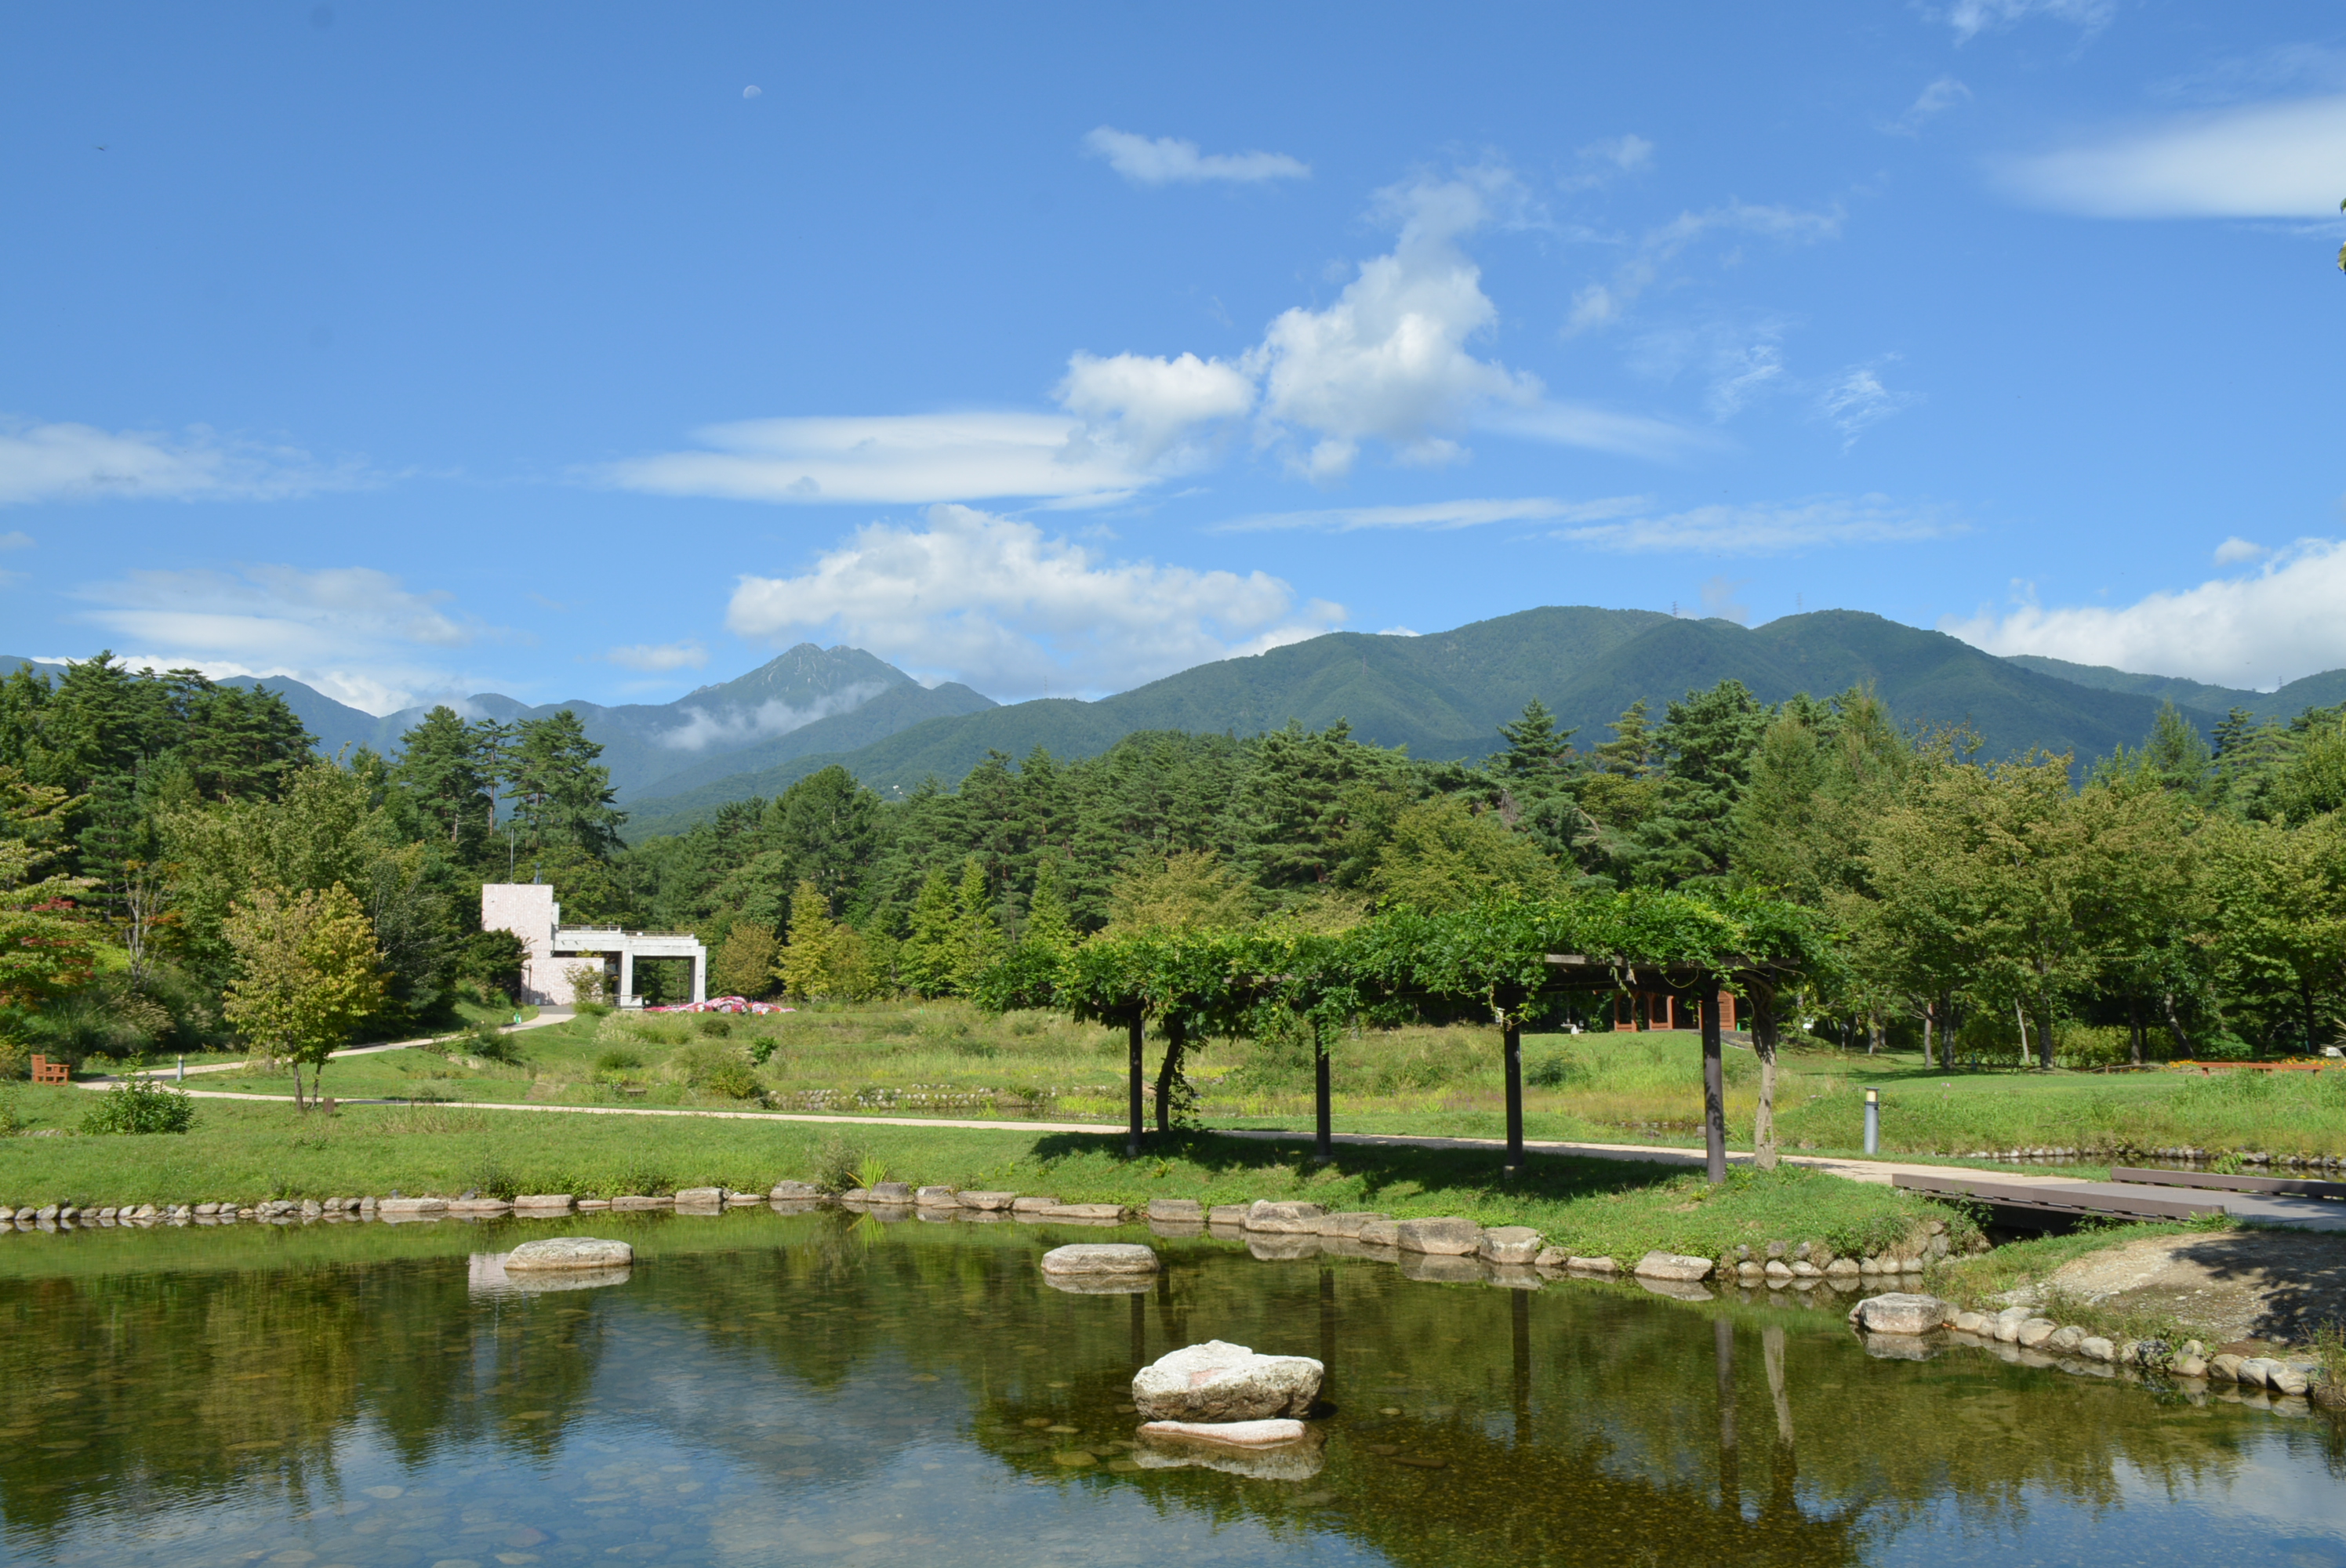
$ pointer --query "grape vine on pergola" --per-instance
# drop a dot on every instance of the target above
(1513, 962)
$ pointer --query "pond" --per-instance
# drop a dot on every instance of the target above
(824, 1389)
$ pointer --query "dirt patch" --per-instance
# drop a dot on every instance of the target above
(2237, 1285)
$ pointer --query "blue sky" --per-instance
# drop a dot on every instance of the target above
(598, 351)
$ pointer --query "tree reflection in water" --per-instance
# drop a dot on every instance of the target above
(800, 1356)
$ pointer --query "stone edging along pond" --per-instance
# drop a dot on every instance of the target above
(1901, 1326)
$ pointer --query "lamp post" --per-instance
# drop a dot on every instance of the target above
(1873, 1121)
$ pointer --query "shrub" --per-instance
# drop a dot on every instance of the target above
(1551, 1070)
(12, 1121)
(713, 1026)
(615, 1061)
(491, 1044)
(736, 1080)
(139, 1105)
(2092, 1046)
(838, 1165)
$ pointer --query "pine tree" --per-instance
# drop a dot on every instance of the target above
(809, 959)
(562, 794)
(1048, 926)
(1535, 747)
(976, 942)
(444, 773)
(927, 960)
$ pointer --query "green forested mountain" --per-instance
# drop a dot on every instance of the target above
(808, 700)
(2326, 689)
(1443, 696)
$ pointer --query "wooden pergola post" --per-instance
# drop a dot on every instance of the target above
(1138, 1026)
(1512, 1037)
(1714, 1086)
(1325, 1130)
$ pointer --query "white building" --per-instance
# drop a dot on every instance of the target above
(528, 910)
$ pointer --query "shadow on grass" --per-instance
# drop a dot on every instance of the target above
(1379, 1168)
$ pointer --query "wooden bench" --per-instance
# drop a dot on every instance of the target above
(2085, 1197)
(2289, 1186)
(47, 1072)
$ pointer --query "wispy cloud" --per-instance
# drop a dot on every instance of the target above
(1856, 399)
(61, 462)
(1601, 304)
(2235, 550)
(1437, 516)
(1167, 161)
(1933, 101)
(2263, 160)
(689, 654)
(15, 539)
(1770, 529)
(740, 726)
(890, 459)
(1970, 18)
(2275, 625)
(359, 634)
(1013, 611)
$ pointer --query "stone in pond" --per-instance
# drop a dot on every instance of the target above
(1217, 1381)
(1100, 1258)
(569, 1252)
(1285, 1218)
(987, 1202)
(701, 1198)
(1447, 1235)
(1900, 1312)
(794, 1191)
(1510, 1244)
(1178, 1210)
(1672, 1267)
(1347, 1225)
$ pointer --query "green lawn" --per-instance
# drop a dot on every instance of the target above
(247, 1151)
(946, 1058)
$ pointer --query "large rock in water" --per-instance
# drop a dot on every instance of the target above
(1217, 1381)
(1899, 1313)
(1100, 1258)
(569, 1252)
(1672, 1266)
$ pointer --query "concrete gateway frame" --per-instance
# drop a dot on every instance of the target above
(528, 910)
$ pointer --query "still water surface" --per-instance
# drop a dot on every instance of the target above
(770, 1389)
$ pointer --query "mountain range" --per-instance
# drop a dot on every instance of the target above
(1443, 696)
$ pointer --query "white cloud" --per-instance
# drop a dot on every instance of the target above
(701, 728)
(2280, 623)
(1388, 360)
(901, 459)
(1933, 101)
(1166, 161)
(2235, 550)
(353, 633)
(1719, 599)
(1769, 529)
(1600, 304)
(15, 539)
(999, 604)
(81, 463)
(1436, 516)
(689, 654)
(1856, 399)
(1970, 18)
(1150, 410)
(1607, 160)
(2265, 160)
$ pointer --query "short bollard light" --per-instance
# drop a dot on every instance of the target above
(1873, 1121)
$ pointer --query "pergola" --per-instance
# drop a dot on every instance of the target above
(1495, 959)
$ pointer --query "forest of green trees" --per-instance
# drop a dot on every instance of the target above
(2176, 900)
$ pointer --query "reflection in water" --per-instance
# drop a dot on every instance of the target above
(768, 1389)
